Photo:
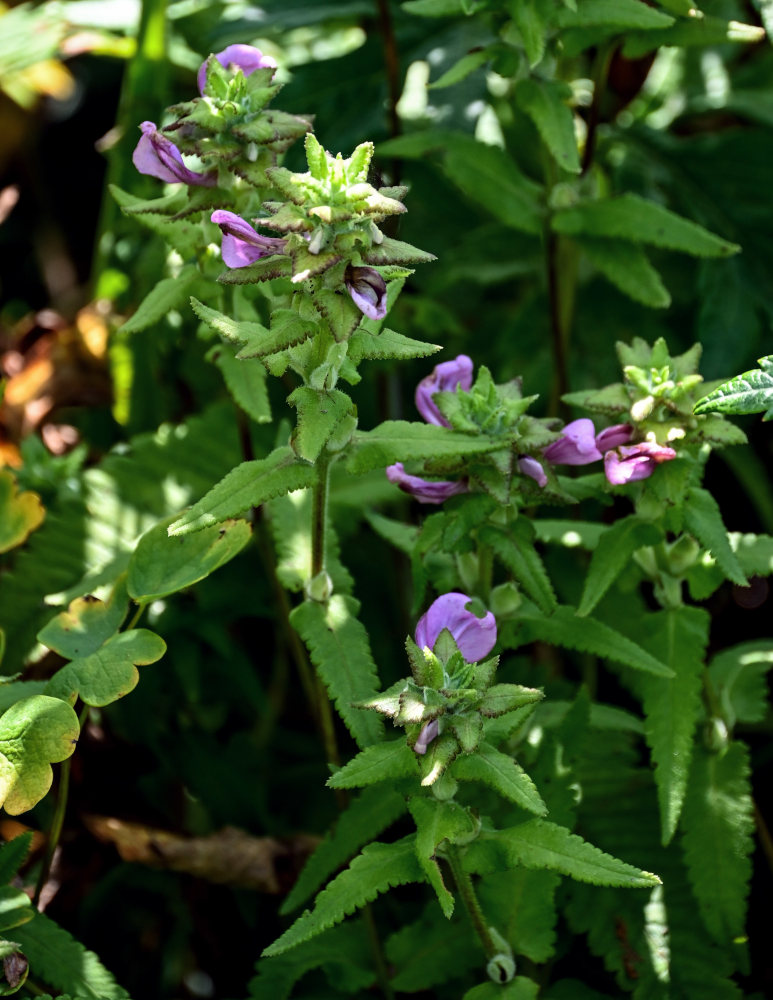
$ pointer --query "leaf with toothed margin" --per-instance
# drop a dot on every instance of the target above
(379, 762)
(503, 774)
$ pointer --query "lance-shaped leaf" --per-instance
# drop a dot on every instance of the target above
(246, 382)
(254, 340)
(34, 734)
(13, 854)
(377, 869)
(20, 513)
(515, 549)
(633, 218)
(564, 628)
(390, 251)
(110, 672)
(751, 392)
(503, 698)
(718, 823)
(440, 753)
(380, 762)
(616, 13)
(364, 345)
(540, 844)
(168, 294)
(544, 101)
(320, 411)
(672, 705)
(340, 650)
(702, 518)
(248, 485)
(15, 907)
(437, 822)
(613, 553)
(503, 774)
(86, 624)
(628, 268)
(403, 440)
(162, 565)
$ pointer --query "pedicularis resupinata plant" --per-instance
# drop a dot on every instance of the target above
(552, 792)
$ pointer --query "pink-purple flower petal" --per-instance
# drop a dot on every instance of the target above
(577, 445)
(529, 466)
(157, 156)
(474, 636)
(448, 376)
(613, 437)
(422, 489)
(426, 736)
(242, 245)
(629, 464)
(368, 291)
(246, 57)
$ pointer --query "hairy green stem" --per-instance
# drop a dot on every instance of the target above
(470, 900)
(58, 821)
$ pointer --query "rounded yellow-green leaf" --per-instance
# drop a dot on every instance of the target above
(162, 565)
(20, 513)
(34, 734)
(86, 624)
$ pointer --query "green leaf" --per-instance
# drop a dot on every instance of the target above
(13, 854)
(461, 69)
(544, 101)
(402, 441)
(571, 534)
(320, 411)
(702, 30)
(540, 844)
(380, 867)
(60, 961)
(521, 904)
(163, 565)
(717, 824)
(519, 988)
(739, 678)
(528, 17)
(15, 905)
(86, 624)
(110, 672)
(564, 628)
(489, 177)
(248, 485)
(340, 650)
(612, 555)
(751, 392)
(618, 13)
(503, 774)
(367, 346)
(437, 822)
(434, 8)
(168, 294)
(379, 762)
(363, 819)
(515, 549)
(628, 268)
(246, 383)
(185, 236)
(34, 734)
(255, 341)
(672, 705)
(631, 217)
(20, 513)
(702, 518)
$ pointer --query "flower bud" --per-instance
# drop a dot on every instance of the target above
(448, 376)
(475, 637)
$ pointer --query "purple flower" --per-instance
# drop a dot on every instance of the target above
(368, 290)
(426, 736)
(241, 244)
(423, 490)
(448, 376)
(474, 636)
(244, 57)
(158, 156)
(613, 437)
(577, 446)
(627, 465)
(531, 467)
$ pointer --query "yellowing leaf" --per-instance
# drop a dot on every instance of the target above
(20, 513)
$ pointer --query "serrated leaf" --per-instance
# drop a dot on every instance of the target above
(20, 513)
(564, 628)
(363, 819)
(703, 520)
(751, 392)
(738, 676)
(515, 549)
(245, 380)
(255, 341)
(320, 411)
(503, 698)
(86, 624)
(13, 854)
(168, 294)
(61, 961)
(618, 13)
(34, 734)
(436, 822)
(612, 399)
(633, 218)
(367, 346)
(248, 485)
(340, 650)
(261, 270)
(528, 17)
(109, 673)
(403, 441)
(163, 565)
(391, 251)
(539, 844)
(503, 774)
(672, 705)
(380, 867)
(379, 762)
(611, 556)
(521, 904)
(15, 906)
(544, 101)
(628, 268)
(185, 236)
(717, 824)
